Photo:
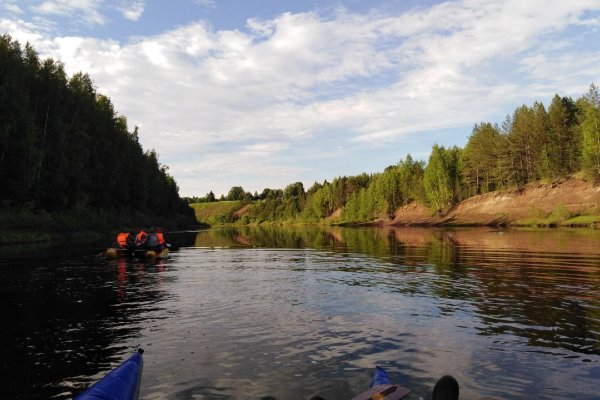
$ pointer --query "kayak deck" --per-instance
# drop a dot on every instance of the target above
(384, 392)
(382, 388)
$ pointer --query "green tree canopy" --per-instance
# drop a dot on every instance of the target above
(441, 177)
(590, 125)
(236, 193)
(481, 158)
(64, 147)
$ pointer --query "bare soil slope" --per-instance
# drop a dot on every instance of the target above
(534, 201)
(241, 212)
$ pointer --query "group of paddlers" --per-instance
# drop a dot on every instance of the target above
(151, 240)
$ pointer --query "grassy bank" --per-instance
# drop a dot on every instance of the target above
(561, 216)
(216, 213)
(570, 204)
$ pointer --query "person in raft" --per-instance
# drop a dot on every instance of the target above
(161, 238)
(141, 238)
(126, 239)
(155, 240)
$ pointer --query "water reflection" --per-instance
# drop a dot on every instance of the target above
(65, 321)
(542, 285)
(293, 312)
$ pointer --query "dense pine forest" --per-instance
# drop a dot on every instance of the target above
(535, 143)
(67, 159)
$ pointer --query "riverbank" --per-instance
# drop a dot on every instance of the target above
(568, 202)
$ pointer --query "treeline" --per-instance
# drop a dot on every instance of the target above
(235, 193)
(64, 147)
(534, 143)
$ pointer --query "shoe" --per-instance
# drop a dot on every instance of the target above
(446, 388)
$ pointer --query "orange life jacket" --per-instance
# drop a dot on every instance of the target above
(122, 238)
(161, 239)
(141, 236)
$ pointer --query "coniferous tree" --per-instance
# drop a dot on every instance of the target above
(562, 149)
(521, 141)
(480, 159)
(590, 126)
(541, 137)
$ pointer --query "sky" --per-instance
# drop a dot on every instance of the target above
(265, 93)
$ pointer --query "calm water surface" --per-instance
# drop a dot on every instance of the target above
(292, 313)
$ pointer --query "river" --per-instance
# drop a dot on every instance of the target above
(290, 313)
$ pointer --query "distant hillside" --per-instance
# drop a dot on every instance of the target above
(216, 213)
(566, 202)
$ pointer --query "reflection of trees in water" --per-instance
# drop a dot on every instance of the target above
(539, 285)
(535, 302)
(49, 310)
(268, 237)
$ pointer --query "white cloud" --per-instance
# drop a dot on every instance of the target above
(573, 78)
(88, 9)
(133, 10)
(12, 8)
(206, 3)
(25, 32)
(266, 148)
(297, 80)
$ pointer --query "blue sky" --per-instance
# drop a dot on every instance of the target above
(266, 93)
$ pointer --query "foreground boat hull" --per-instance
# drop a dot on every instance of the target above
(122, 383)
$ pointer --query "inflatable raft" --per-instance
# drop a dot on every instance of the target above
(114, 252)
(152, 254)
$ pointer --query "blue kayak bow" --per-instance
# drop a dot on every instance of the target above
(122, 383)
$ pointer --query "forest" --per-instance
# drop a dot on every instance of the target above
(67, 159)
(535, 143)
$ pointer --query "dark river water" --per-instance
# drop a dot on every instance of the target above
(292, 313)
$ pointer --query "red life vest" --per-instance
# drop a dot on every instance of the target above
(161, 239)
(141, 236)
(122, 238)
